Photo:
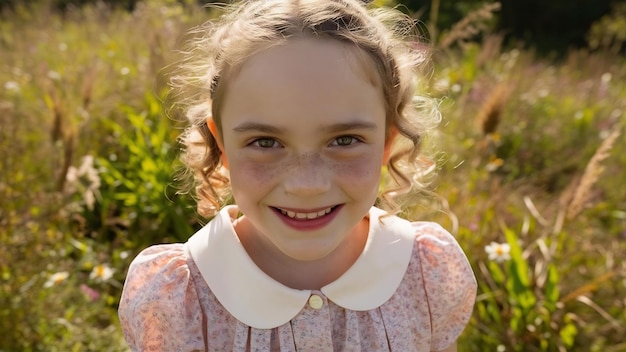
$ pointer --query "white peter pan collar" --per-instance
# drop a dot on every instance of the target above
(259, 301)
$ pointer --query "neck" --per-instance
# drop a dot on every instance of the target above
(299, 274)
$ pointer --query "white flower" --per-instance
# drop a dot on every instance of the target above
(494, 164)
(579, 115)
(56, 278)
(101, 272)
(85, 179)
(71, 179)
(88, 171)
(498, 251)
(54, 75)
(12, 86)
(89, 198)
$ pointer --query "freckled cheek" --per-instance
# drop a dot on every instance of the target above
(256, 175)
(358, 172)
(253, 174)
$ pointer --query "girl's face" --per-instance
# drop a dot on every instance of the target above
(303, 131)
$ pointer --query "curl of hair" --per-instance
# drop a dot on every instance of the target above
(219, 47)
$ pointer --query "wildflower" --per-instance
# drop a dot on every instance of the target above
(89, 199)
(56, 279)
(12, 86)
(85, 178)
(494, 164)
(101, 272)
(90, 292)
(87, 170)
(498, 251)
(579, 115)
(54, 75)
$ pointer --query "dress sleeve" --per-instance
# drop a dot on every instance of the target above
(449, 282)
(159, 308)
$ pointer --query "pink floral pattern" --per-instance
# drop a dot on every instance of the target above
(167, 306)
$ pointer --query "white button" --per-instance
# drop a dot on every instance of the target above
(316, 302)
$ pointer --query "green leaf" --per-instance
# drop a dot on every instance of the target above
(568, 334)
(551, 287)
(496, 272)
(518, 283)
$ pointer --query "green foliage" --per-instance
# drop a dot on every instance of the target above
(138, 195)
(609, 33)
(523, 303)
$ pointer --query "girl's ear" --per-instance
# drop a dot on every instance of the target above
(393, 132)
(213, 129)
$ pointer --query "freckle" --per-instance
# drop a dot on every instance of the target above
(313, 159)
(355, 169)
(265, 171)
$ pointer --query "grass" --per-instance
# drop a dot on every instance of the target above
(530, 154)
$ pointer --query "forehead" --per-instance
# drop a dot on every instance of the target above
(305, 78)
(287, 52)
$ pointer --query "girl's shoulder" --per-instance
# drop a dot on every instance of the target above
(443, 265)
(438, 282)
(157, 271)
(433, 240)
(436, 258)
(434, 245)
(437, 255)
(157, 262)
(159, 308)
(447, 280)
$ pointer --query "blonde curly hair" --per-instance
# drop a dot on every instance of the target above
(219, 47)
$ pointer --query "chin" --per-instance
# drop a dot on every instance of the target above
(307, 254)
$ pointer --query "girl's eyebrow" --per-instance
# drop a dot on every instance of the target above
(256, 127)
(333, 128)
(350, 125)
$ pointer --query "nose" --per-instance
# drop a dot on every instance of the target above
(308, 175)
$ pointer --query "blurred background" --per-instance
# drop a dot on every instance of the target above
(530, 152)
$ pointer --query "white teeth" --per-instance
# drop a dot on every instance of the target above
(308, 216)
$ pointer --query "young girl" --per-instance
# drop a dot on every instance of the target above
(294, 105)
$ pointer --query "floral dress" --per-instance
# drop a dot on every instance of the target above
(412, 289)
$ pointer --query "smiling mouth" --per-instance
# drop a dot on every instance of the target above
(306, 215)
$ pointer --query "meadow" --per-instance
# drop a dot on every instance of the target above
(530, 180)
